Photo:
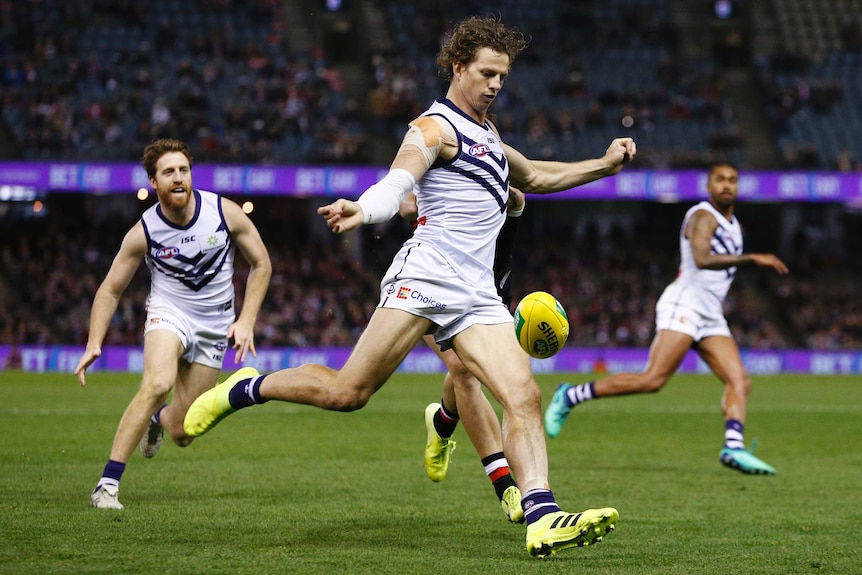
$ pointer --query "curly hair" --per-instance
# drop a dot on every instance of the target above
(474, 33)
(159, 148)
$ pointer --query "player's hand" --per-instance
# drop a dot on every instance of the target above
(620, 152)
(517, 200)
(241, 338)
(409, 209)
(90, 355)
(770, 261)
(342, 215)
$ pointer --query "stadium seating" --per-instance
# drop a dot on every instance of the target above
(98, 80)
(101, 79)
(609, 68)
(810, 83)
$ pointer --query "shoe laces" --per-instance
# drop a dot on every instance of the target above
(754, 445)
(447, 445)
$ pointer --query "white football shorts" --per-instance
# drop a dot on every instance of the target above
(421, 281)
(691, 310)
(203, 332)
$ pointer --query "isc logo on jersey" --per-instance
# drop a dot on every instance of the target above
(541, 324)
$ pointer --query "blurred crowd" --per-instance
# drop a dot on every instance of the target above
(99, 79)
(607, 275)
(598, 70)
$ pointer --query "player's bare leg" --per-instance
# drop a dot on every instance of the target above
(162, 349)
(721, 354)
(492, 354)
(461, 388)
(667, 351)
(194, 380)
(483, 428)
(387, 340)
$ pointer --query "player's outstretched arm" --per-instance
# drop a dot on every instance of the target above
(107, 297)
(425, 141)
(769, 261)
(252, 248)
(542, 177)
(700, 229)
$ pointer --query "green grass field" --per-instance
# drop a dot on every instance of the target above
(292, 489)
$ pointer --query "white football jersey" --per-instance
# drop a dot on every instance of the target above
(462, 202)
(727, 239)
(191, 265)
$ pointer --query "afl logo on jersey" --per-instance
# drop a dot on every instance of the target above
(167, 252)
(479, 150)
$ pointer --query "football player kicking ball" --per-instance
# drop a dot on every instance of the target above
(442, 280)
(460, 387)
(689, 314)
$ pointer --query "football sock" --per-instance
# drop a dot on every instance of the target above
(497, 469)
(445, 421)
(537, 503)
(580, 393)
(112, 474)
(246, 392)
(733, 438)
(157, 416)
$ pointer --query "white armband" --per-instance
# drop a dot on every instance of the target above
(380, 202)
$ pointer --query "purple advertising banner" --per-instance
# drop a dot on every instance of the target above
(350, 181)
(423, 360)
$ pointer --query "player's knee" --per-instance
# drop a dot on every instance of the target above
(156, 387)
(653, 383)
(533, 395)
(347, 400)
(741, 384)
(354, 403)
(526, 398)
(463, 379)
(183, 441)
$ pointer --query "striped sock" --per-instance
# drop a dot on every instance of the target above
(537, 503)
(445, 421)
(580, 393)
(247, 392)
(157, 416)
(112, 474)
(733, 438)
(497, 469)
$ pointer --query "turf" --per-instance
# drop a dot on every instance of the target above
(292, 489)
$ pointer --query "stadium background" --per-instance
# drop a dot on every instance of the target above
(768, 85)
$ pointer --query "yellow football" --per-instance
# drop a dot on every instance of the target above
(541, 324)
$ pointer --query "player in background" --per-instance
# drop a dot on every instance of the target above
(188, 241)
(460, 387)
(442, 280)
(689, 315)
